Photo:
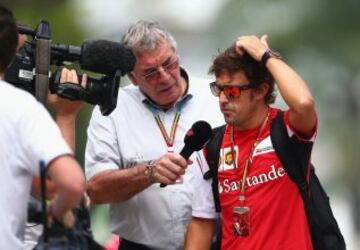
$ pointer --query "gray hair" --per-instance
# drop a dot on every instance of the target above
(146, 36)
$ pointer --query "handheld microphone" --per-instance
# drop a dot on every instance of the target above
(195, 139)
(100, 56)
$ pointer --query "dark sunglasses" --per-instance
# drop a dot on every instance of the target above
(230, 91)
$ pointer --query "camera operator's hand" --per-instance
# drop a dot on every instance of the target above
(22, 39)
(63, 107)
(66, 219)
(87, 201)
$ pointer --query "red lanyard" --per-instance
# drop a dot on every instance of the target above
(249, 159)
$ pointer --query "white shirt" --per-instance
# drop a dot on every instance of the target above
(28, 135)
(203, 205)
(156, 217)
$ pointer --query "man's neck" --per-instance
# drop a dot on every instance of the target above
(2, 76)
(184, 89)
(255, 120)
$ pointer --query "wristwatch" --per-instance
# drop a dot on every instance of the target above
(267, 55)
(149, 171)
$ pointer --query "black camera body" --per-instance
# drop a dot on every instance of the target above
(31, 71)
(20, 72)
(57, 237)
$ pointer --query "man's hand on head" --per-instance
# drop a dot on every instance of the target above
(253, 45)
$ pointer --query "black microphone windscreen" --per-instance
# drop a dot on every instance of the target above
(198, 135)
(106, 57)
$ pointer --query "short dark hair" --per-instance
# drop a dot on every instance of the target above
(229, 61)
(8, 38)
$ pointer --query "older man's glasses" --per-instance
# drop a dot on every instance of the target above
(168, 67)
(230, 91)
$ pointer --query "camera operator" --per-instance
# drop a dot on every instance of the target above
(65, 112)
(29, 136)
(65, 116)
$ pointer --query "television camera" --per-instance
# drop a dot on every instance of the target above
(31, 71)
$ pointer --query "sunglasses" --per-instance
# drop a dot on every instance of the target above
(230, 91)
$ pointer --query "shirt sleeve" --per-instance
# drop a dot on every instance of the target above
(41, 138)
(203, 201)
(101, 151)
(292, 132)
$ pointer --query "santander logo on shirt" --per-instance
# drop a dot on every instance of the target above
(270, 173)
(274, 173)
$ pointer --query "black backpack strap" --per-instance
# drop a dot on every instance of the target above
(295, 159)
(287, 155)
(212, 156)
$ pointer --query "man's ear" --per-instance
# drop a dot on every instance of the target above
(133, 78)
(262, 91)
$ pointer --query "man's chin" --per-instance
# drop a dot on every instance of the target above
(228, 120)
(170, 100)
(227, 116)
(170, 104)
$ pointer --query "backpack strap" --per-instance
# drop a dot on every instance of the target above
(295, 158)
(284, 150)
(212, 155)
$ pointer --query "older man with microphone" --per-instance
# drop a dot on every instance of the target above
(137, 146)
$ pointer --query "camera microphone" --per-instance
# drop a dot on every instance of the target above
(106, 57)
(195, 139)
(30, 69)
(99, 56)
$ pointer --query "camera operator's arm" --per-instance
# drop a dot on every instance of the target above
(66, 112)
(36, 188)
(296, 94)
(69, 181)
(119, 185)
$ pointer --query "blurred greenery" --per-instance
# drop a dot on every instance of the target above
(330, 30)
(320, 38)
(65, 29)
(325, 30)
(60, 14)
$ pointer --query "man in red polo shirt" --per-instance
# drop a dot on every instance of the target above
(261, 207)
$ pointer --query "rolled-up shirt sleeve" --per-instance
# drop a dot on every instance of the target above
(292, 131)
(41, 139)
